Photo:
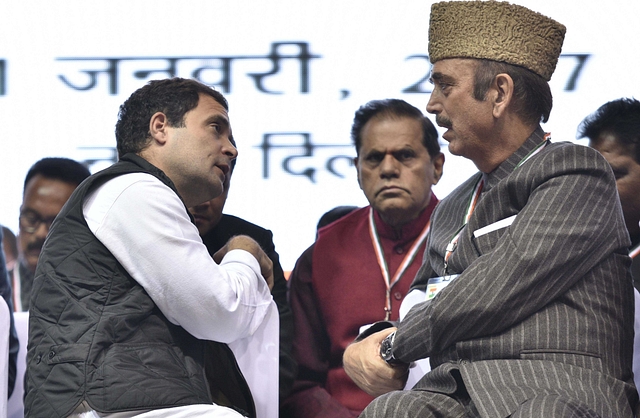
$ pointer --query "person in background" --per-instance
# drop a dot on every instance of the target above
(126, 294)
(614, 130)
(360, 267)
(47, 187)
(215, 229)
(333, 215)
(529, 304)
(14, 345)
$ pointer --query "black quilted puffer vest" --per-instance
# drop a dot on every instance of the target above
(96, 335)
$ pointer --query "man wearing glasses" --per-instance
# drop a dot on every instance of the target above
(47, 187)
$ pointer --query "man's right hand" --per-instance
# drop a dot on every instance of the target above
(243, 242)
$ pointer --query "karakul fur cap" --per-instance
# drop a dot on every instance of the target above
(497, 31)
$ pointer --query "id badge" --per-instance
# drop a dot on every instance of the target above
(436, 284)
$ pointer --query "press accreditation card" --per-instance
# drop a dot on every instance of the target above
(436, 284)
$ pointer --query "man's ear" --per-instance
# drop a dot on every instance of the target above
(438, 164)
(158, 127)
(502, 89)
(357, 164)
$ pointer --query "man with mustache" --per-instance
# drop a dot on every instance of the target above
(47, 187)
(360, 267)
(126, 294)
(528, 305)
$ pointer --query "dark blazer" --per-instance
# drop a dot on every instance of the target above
(544, 305)
(215, 239)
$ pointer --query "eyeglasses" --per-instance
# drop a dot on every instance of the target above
(31, 221)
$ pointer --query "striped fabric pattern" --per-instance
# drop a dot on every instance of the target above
(542, 311)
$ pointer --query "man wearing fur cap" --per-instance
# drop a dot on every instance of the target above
(536, 319)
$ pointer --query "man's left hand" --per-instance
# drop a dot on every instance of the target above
(369, 371)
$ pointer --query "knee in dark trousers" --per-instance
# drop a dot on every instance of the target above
(414, 403)
(549, 406)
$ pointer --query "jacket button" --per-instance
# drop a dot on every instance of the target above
(399, 250)
(38, 359)
(397, 295)
(52, 354)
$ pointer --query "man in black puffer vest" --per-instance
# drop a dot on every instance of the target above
(125, 292)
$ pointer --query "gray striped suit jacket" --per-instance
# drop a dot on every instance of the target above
(542, 306)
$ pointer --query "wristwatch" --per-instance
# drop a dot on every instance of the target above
(386, 350)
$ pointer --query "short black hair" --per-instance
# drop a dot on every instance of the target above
(394, 108)
(172, 96)
(619, 117)
(58, 168)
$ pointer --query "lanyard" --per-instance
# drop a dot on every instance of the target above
(473, 200)
(382, 262)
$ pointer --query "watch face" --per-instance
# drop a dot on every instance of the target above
(386, 347)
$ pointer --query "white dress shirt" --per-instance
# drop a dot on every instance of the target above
(144, 224)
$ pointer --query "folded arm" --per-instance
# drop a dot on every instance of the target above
(146, 227)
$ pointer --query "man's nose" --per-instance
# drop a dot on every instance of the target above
(433, 105)
(42, 229)
(389, 166)
(230, 150)
(202, 207)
